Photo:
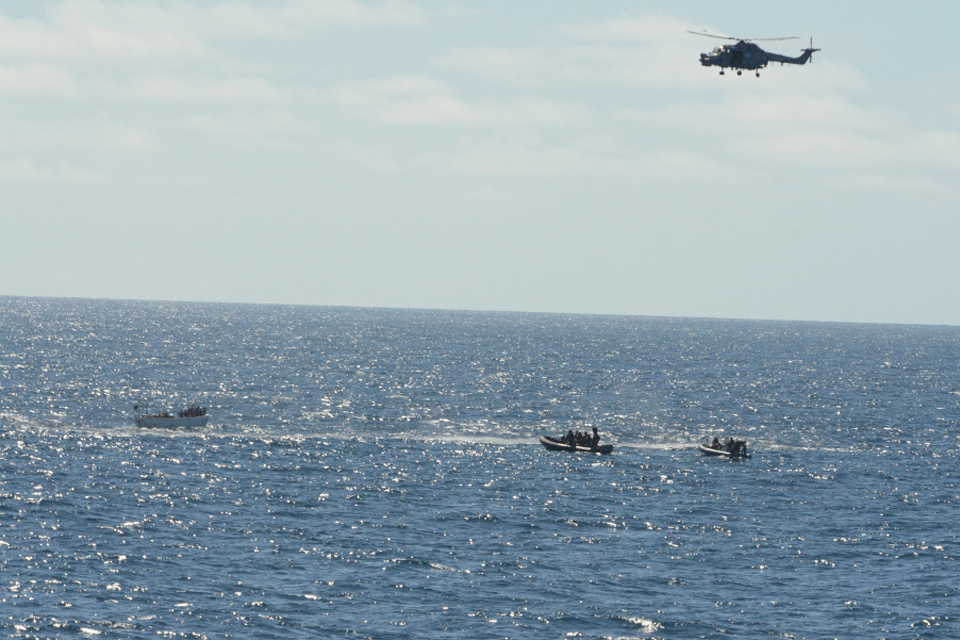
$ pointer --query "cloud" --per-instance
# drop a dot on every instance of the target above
(634, 80)
(37, 80)
(886, 183)
(92, 30)
(421, 100)
(294, 17)
(499, 63)
(174, 89)
(798, 110)
(122, 32)
(650, 50)
(263, 127)
(938, 148)
(648, 28)
(790, 127)
(642, 50)
(25, 170)
(818, 148)
(499, 158)
(76, 134)
(510, 156)
(349, 12)
(380, 160)
(638, 80)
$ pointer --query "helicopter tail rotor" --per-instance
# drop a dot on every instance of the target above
(810, 51)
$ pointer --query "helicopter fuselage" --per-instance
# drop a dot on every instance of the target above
(743, 55)
(747, 55)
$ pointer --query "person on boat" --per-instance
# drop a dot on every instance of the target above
(570, 437)
(595, 440)
(716, 443)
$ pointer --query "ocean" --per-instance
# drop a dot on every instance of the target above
(375, 473)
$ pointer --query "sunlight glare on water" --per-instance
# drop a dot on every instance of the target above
(376, 474)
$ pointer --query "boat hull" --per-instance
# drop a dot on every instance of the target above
(720, 453)
(555, 445)
(152, 422)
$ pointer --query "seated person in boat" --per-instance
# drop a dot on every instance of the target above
(193, 412)
(737, 447)
(716, 443)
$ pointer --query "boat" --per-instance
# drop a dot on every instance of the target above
(190, 417)
(553, 444)
(739, 451)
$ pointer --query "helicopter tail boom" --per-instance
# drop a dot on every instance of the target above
(801, 59)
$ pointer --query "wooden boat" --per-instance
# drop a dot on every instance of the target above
(553, 444)
(723, 453)
(192, 417)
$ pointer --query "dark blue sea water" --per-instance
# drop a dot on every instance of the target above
(375, 473)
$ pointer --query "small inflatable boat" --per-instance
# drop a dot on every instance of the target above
(555, 445)
(738, 452)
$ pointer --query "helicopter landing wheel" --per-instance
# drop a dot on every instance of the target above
(721, 71)
(739, 73)
(758, 74)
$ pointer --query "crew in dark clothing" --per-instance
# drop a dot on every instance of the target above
(595, 440)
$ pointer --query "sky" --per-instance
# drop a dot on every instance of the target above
(567, 156)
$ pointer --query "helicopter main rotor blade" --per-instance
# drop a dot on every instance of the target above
(710, 34)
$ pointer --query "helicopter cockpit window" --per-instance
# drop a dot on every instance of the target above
(718, 50)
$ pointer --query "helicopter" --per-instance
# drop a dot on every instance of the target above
(746, 55)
